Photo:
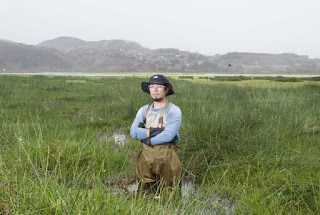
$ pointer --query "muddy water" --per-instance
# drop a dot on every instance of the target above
(189, 191)
(120, 139)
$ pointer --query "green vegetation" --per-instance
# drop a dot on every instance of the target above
(186, 77)
(270, 78)
(253, 143)
(231, 78)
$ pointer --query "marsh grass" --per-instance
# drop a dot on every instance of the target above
(253, 144)
(186, 77)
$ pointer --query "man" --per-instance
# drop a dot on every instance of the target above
(157, 126)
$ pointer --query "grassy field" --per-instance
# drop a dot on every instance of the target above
(251, 145)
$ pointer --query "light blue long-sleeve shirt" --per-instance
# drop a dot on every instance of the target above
(171, 131)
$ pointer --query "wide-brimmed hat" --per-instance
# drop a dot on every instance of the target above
(157, 79)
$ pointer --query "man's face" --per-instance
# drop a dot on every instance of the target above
(158, 92)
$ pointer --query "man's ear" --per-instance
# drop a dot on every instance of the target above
(167, 90)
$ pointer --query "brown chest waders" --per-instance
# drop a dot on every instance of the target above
(159, 162)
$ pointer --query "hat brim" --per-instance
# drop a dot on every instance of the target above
(145, 87)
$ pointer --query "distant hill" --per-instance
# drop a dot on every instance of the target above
(122, 55)
(258, 62)
(66, 44)
(17, 56)
(73, 54)
(63, 44)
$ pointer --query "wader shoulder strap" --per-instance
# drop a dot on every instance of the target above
(147, 113)
(160, 123)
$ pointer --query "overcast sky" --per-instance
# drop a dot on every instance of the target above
(204, 26)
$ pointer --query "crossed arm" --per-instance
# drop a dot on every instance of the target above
(157, 136)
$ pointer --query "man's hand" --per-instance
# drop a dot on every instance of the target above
(152, 132)
(148, 133)
(146, 141)
(155, 131)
